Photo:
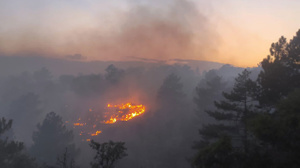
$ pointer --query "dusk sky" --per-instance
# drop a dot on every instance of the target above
(237, 32)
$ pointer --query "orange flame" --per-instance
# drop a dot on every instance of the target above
(123, 112)
(96, 133)
(88, 127)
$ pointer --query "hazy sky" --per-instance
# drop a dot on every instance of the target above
(238, 32)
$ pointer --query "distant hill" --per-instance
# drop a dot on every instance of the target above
(11, 65)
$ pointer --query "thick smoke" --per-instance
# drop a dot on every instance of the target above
(148, 31)
(143, 29)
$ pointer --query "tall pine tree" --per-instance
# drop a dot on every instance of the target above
(221, 141)
(281, 71)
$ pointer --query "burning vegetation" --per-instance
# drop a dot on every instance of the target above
(91, 126)
(122, 112)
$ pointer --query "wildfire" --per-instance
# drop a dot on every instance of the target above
(96, 133)
(123, 112)
(89, 125)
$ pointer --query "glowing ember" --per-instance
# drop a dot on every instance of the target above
(123, 112)
(96, 133)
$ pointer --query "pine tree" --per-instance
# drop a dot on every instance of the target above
(170, 92)
(108, 153)
(209, 89)
(231, 129)
(281, 71)
(278, 132)
(51, 138)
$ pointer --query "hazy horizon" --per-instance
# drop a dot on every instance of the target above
(235, 32)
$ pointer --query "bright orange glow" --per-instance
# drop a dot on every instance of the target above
(123, 112)
(96, 133)
(89, 126)
(110, 121)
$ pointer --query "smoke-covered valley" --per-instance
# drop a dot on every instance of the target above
(79, 92)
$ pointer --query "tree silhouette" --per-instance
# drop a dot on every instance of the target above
(170, 128)
(278, 132)
(281, 71)
(217, 154)
(65, 161)
(113, 74)
(108, 153)
(208, 90)
(171, 104)
(12, 154)
(171, 90)
(51, 138)
(232, 128)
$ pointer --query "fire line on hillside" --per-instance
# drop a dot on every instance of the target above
(123, 112)
(113, 114)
